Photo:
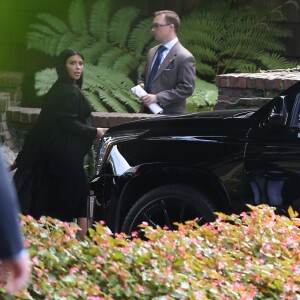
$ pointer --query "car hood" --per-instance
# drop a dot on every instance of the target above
(241, 116)
(207, 119)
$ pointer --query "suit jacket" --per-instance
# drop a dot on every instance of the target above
(174, 80)
(10, 234)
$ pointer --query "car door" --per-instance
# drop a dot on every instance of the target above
(272, 154)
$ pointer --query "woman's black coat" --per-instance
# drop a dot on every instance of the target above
(50, 178)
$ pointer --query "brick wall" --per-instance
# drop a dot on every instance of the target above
(21, 119)
(235, 91)
(4, 98)
(252, 89)
(10, 84)
(10, 95)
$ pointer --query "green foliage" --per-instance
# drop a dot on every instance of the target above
(226, 37)
(44, 80)
(204, 97)
(99, 20)
(112, 87)
(112, 44)
(116, 47)
(223, 36)
(254, 255)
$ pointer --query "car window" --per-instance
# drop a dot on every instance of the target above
(292, 107)
(279, 111)
(295, 111)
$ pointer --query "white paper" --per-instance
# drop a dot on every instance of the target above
(139, 91)
(155, 108)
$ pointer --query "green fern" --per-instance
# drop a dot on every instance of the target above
(77, 17)
(121, 24)
(113, 44)
(109, 99)
(57, 24)
(92, 54)
(205, 70)
(109, 57)
(274, 61)
(42, 29)
(99, 19)
(108, 85)
(44, 80)
(139, 36)
(241, 65)
(204, 96)
(106, 89)
(126, 63)
(94, 101)
(234, 38)
(66, 39)
(223, 36)
(126, 98)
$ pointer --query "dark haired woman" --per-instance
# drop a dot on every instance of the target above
(50, 176)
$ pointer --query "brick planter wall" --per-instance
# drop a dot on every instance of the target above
(235, 91)
(252, 90)
(10, 95)
(10, 84)
(20, 120)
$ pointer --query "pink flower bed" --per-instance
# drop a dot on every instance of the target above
(251, 256)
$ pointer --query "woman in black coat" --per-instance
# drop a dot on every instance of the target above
(50, 178)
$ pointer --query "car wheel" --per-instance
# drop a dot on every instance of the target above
(168, 204)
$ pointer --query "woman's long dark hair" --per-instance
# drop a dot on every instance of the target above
(61, 69)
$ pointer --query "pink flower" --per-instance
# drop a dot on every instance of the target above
(35, 260)
(27, 243)
(64, 293)
(140, 288)
(95, 298)
(291, 287)
(134, 234)
(221, 265)
(39, 272)
(74, 270)
(199, 295)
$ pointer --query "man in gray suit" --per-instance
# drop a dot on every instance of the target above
(174, 80)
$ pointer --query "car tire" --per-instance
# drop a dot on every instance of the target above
(168, 204)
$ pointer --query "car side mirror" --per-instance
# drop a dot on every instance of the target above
(279, 114)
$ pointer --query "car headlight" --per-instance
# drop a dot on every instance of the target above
(108, 142)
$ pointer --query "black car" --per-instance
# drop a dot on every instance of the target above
(176, 168)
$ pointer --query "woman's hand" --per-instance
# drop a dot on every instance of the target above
(13, 166)
(100, 132)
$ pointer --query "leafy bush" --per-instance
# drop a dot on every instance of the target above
(114, 45)
(232, 38)
(204, 97)
(95, 85)
(226, 36)
(254, 255)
